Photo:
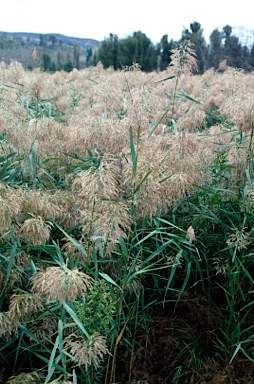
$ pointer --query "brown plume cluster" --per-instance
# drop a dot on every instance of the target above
(95, 110)
(101, 150)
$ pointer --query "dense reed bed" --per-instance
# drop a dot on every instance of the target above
(126, 205)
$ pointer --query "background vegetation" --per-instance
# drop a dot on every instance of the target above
(56, 52)
(126, 203)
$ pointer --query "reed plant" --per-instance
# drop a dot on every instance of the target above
(126, 203)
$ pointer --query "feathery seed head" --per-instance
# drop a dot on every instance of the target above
(87, 352)
(8, 324)
(101, 181)
(190, 236)
(239, 239)
(183, 59)
(35, 230)
(220, 266)
(74, 252)
(44, 327)
(60, 284)
(180, 183)
(111, 219)
(10, 206)
(24, 305)
(25, 378)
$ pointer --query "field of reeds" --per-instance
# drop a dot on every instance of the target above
(127, 209)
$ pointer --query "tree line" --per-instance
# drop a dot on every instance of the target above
(54, 55)
(138, 48)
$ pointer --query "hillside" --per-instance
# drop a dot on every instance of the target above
(60, 49)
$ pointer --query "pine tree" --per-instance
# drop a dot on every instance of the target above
(195, 35)
(108, 52)
(76, 50)
(165, 48)
(46, 61)
(215, 49)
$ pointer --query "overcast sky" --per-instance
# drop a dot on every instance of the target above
(95, 19)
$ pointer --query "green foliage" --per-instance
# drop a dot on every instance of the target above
(38, 108)
(46, 61)
(8, 43)
(166, 48)
(47, 64)
(213, 117)
(108, 52)
(68, 64)
(76, 50)
(30, 67)
(17, 169)
(96, 311)
(195, 36)
(89, 55)
(137, 48)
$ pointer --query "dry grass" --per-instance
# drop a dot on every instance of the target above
(104, 150)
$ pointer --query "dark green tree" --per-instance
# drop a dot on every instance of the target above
(246, 58)
(42, 40)
(186, 34)
(195, 35)
(251, 59)
(195, 28)
(128, 51)
(233, 50)
(76, 50)
(146, 52)
(46, 61)
(215, 49)
(164, 53)
(165, 48)
(108, 52)
(89, 55)
(59, 61)
(138, 48)
(68, 65)
(53, 67)
(52, 38)
(94, 60)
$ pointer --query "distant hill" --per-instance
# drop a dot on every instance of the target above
(61, 49)
(35, 37)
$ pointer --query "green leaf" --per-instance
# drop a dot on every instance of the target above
(187, 97)
(108, 278)
(165, 79)
(51, 367)
(32, 161)
(60, 338)
(9, 267)
(173, 271)
(134, 156)
(76, 319)
(74, 241)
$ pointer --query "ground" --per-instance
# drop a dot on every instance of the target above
(180, 349)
